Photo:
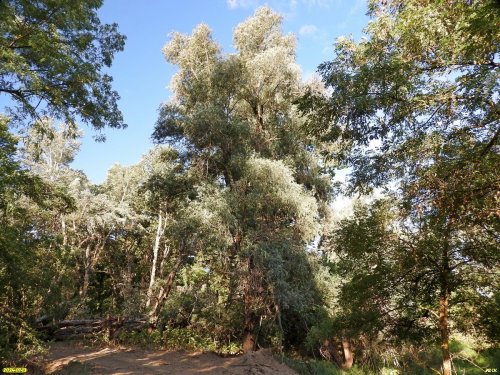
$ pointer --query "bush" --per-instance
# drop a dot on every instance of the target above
(142, 338)
(18, 340)
(319, 367)
(188, 339)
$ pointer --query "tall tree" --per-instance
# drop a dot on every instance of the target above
(52, 60)
(234, 117)
(422, 92)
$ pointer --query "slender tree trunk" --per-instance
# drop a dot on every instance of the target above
(86, 274)
(445, 334)
(249, 298)
(443, 312)
(233, 251)
(165, 256)
(348, 358)
(128, 288)
(260, 116)
(63, 228)
(164, 292)
(280, 325)
(156, 246)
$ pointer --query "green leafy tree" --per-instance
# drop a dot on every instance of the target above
(52, 57)
(30, 255)
(415, 105)
(235, 122)
(100, 212)
(167, 191)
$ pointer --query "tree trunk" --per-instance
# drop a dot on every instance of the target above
(156, 246)
(164, 257)
(248, 332)
(348, 358)
(260, 117)
(445, 335)
(63, 229)
(443, 312)
(86, 274)
(164, 292)
(249, 298)
(338, 352)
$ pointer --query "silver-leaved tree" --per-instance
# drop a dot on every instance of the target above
(233, 117)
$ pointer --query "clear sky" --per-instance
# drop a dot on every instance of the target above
(141, 74)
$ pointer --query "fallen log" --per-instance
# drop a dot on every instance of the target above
(70, 323)
(75, 329)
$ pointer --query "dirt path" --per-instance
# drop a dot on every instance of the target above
(69, 359)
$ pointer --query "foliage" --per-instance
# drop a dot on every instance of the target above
(175, 338)
(223, 238)
(319, 367)
(143, 338)
(186, 338)
(393, 87)
(410, 360)
(53, 55)
(29, 254)
(233, 116)
(413, 109)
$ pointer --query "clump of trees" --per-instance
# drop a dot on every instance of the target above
(224, 230)
(414, 110)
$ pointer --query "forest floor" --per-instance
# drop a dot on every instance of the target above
(65, 358)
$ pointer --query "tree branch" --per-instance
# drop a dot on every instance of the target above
(491, 143)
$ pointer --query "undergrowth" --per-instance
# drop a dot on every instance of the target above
(177, 338)
(466, 361)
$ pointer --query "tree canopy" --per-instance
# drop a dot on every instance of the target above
(414, 109)
(235, 115)
(53, 60)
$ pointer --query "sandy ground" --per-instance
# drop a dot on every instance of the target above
(68, 359)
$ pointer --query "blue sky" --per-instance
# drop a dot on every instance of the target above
(141, 74)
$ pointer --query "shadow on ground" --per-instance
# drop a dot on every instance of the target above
(72, 359)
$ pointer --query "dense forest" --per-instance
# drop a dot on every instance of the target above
(223, 237)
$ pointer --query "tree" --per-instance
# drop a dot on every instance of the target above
(421, 91)
(30, 255)
(100, 213)
(53, 54)
(167, 192)
(234, 118)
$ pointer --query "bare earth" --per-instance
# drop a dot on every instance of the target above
(69, 359)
